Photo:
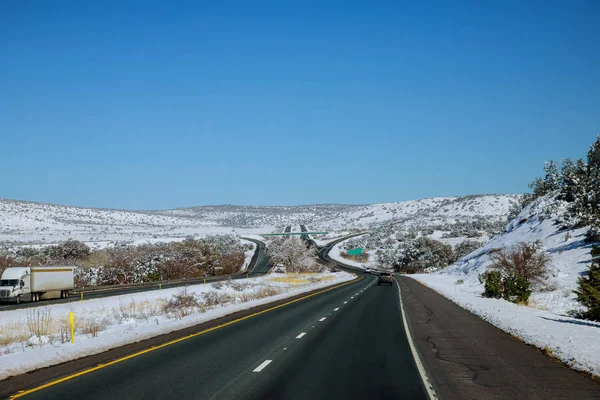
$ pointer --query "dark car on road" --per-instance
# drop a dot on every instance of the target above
(385, 277)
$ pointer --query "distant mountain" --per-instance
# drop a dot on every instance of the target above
(30, 222)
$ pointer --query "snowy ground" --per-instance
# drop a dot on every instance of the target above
(102, 324)
(544, 322)
(248, 254)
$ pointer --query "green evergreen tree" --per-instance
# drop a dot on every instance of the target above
(588, 293)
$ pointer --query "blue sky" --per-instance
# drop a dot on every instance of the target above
(147, 105)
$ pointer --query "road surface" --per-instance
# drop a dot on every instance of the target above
(341, 343)
(344, 343)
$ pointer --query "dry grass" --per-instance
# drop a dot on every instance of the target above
(142, 310)
(181, 304)
(547, 351)
(287, 279)
(91, 326)
(39, 322)
(362, 258)
(10, 334)
(534, 304)
(266, 291)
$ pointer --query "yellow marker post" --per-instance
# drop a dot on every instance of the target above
(246, 276)
(294, 285)
(205, 281)
(160, 286)
(72, 323)
(81, 296)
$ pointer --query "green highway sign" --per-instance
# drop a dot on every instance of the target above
(355, 252)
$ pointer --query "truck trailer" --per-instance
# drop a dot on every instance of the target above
(19, 284)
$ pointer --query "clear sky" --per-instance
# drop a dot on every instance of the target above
(153, 105)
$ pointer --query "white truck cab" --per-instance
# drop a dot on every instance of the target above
(36, 283)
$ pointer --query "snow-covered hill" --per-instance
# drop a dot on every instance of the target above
(569, 256)
(439, 210)
(544, 322)
(39, 223)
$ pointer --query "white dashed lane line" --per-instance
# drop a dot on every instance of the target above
(262, 366)
(322, 319)
(345, 302)
(335, 309)
(300, 335)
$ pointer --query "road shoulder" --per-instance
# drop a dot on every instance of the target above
(466, 357)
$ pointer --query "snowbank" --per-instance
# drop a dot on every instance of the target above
(130, 318)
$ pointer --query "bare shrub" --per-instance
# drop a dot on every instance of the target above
(212, 299)
(218, 285)
(125, 311)
(292, 253)
(266, 291)
(39, 321)
(65, 329)
(181, 304)
(238, 286)
(230, 263)
(92, 326)
(525, 260)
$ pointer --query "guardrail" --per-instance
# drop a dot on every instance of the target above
(156, 283)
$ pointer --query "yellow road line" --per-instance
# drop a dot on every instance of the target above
(139, 353)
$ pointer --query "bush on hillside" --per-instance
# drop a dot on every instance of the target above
(466, 247)
(69, 250)
(492, 281)
(511, 287)
(515, 289)
(527, 261)
(425, 254)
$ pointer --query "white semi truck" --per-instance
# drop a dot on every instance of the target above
(36, 283)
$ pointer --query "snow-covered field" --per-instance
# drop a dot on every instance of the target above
(30, 223)
(106, 323)
(544, 322)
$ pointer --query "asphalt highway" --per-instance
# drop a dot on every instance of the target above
(347, 342)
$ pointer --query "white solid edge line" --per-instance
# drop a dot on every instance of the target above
(322, 319)
(428, 387)
(262, 366)
(300, 335)
(335, 309)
